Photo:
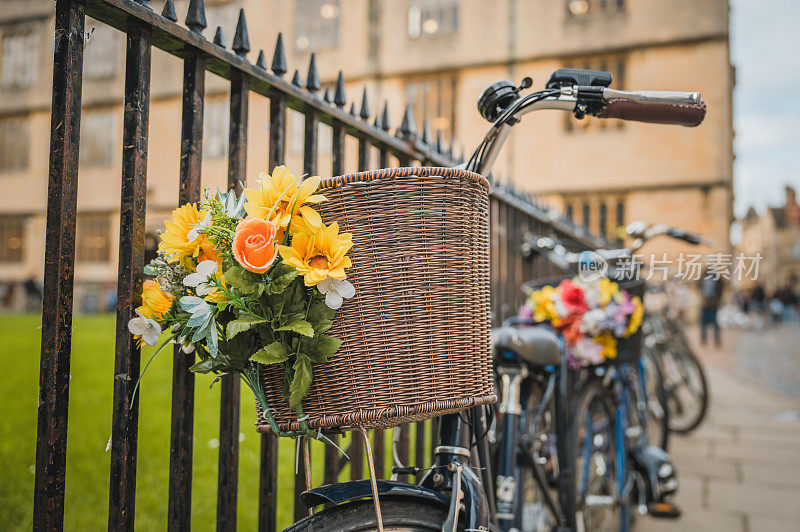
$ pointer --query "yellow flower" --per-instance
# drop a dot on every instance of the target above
(155, 301)
(320, 254)
(608, 289)
(609, 344)
(636, 317)
(175, 242)
(283, 196)
(544, 309)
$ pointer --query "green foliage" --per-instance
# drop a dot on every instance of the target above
(301, 381)
(272, 354)
(282, 276)
(320, 348)
(241, 325)
(299, 326)
(246, 282)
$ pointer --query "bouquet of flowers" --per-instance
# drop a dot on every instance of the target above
(250, 279)
(590, 315)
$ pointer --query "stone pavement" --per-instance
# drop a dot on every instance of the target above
(740, 470)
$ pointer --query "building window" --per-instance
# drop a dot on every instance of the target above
(14, 143)
(613, 64)
(580, 8)
(20, 60)
(428, 18)
(620, 218)
(98, 136)
(587, 212)
(101, 52)
(570, 212)
(433, 98)
(92, 236)
(316, 24)
(603, 220)
(12, 238)
(216, 117)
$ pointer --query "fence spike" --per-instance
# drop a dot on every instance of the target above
(196, 16)
(378, 124)
(169, 11)
(426, 132)
(279, 58)
(450, 149)
(241, 39)
(219, 37)
(353, 108)
(364, 114)
(312, 80)
(145, 3)
(440, 141)
(407, 127)
(326, 96)
(339, 98)
(385, 122)
(296, 79)
(261, 62)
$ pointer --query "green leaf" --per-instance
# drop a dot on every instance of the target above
(272, 354)
(204, 366)
(282, 277)
(321, 347)
(241, 325)
(243, 281)
(320, 316)
(301, 381)
(298, 326)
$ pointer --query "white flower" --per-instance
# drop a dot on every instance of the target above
(199, 227)
(186, 345)
(336, 291)
(145, 327)
(199, 280)
(591, 322)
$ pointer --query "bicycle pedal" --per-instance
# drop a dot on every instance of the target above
(666, 510)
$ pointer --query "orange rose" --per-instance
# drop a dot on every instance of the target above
(254, 244)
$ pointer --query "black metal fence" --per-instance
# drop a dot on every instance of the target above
(513, 217)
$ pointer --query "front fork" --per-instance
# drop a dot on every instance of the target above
(510, 408)
(451, 472)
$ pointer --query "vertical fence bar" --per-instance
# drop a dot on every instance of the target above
(379, 452)
(62, 199)
(403, 449)
(125, 418)
(434, 436)
(268, 474)
(228, 476)
(356, 453)
(363, 154)
(181, 439)
(419, 444)
(310, 147)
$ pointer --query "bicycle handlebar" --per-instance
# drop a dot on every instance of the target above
(655, 112)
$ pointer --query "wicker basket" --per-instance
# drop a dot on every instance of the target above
(416, 335)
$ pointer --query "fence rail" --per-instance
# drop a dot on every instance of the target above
(513, 217)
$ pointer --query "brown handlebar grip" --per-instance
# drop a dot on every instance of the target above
(690, 115)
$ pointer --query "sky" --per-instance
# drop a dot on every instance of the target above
(765, 49)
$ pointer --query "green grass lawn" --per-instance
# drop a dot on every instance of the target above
(91, 389)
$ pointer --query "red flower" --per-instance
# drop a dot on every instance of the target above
(572, 297)
(572, 331)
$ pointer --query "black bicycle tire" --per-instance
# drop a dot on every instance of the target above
(359, 516)
(591, 386)
(661, 394)
(688, 356)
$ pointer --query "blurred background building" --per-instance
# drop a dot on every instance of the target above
(436, 55)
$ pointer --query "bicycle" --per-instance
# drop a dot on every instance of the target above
(457, 492)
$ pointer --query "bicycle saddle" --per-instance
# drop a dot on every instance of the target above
(535, 345)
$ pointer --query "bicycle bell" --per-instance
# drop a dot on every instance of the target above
(498, 96)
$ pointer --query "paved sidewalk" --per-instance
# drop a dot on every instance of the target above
(740, 470)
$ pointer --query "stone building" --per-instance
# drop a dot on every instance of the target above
(775, 235)
(435, 54)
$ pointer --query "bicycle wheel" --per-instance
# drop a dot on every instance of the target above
(536, 443)
(398, 515)
(685, 384)
(593, 444)
(648, 408)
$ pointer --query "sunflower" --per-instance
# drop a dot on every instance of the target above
(155, 301)
(544, 309)
(320, 254)
(636, 317)
(609, 344)
(283, 196)
(608, 289)
(175, 242)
